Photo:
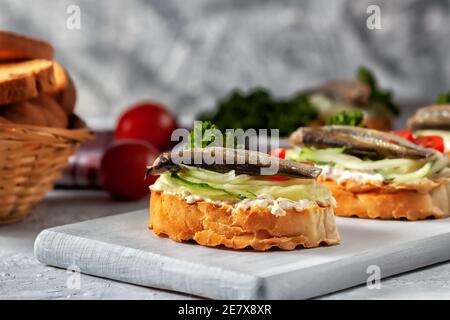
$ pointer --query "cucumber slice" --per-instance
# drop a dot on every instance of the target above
(335, 156)
(442, 161)
(298, 192)
(215, 177)
(204, 189)
(409, 177)
(227, 184)
(206, 184)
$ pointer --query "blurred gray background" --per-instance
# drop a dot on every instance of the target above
(188, 53)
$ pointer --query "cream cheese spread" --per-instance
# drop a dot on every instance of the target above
(341, 175)
(276, 206)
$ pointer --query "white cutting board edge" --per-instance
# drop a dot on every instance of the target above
(99, 246)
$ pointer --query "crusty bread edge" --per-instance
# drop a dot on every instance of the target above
(210, 225)
(15, 46)
(382, 204)
(25, 86)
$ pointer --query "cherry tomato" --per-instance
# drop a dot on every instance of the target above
(278, 178)
(406, 134)
(278, 153)
(431, 142)
(123, 166)
(148, 121)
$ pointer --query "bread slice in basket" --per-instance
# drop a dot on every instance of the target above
(63, 91)
(20, 81)
(35, 131)
(23, 113)
(17, 47)
(54, 114)
(40, 111)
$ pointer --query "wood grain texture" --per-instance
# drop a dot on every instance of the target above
(121, 248)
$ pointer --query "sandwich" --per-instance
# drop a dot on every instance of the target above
(374, 174)
(361, 94)
(238, 201)
(433, 121)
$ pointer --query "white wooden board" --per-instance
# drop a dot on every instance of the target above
(122, 248)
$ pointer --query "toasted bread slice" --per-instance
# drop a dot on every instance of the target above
(63, 90)
(53, 113)
(212, 225)
(24, 80)
(4, 120)
(387, 203)
(68, 97)
(23, 113)
(15, 47)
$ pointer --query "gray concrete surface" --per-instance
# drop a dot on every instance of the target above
(187, 54)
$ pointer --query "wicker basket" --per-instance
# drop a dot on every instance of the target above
(31, 159)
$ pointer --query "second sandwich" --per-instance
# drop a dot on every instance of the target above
(375, 174)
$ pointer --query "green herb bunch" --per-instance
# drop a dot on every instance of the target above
(258, 109)
(443, 98)
(348, 118)
(377, 95)
(205, 134)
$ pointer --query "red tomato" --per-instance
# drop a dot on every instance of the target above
(147, 121)
(123, 166)
(278, 178)
(406, 134)
(279, 153)
(431, 142)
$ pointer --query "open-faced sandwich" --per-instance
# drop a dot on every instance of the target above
(234, 197)
(362, 94)
(433, 121)
(374, 174)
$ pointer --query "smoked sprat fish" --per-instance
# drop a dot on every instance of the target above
(240, 160)
(346, 91)
(360, 142)
(431, 117)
